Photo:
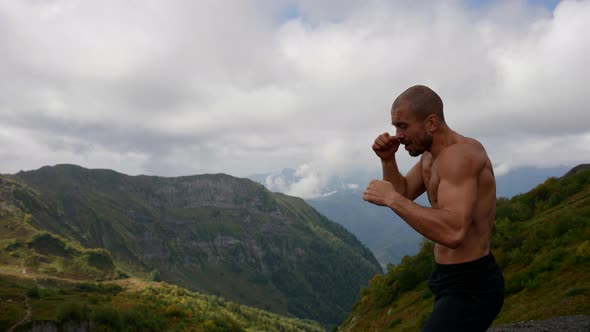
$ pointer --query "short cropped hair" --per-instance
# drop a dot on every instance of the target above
(423, 102)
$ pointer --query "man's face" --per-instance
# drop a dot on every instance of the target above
(410, 131)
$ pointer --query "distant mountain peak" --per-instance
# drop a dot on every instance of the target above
(581, 167)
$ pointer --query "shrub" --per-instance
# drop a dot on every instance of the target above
(33, 292)
(583, 249)
(120, 274)
(155, 276)
(47, 243)
(107, 316)
(394, 323)
(576, 291)
(98, 288)
(99, 258)
(426, 294)
(384, 289)
(173, 311)
(12, 246)
(72, 312)
(142, 318)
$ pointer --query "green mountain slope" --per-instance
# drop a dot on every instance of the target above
(128, 305)
(211, 233)
(27, 248)
(542, 243)
(388, 237)
(51, 283)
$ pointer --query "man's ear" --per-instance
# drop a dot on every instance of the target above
(432, 123)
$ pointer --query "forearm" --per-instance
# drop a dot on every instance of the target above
(392, 174)
(437, 225)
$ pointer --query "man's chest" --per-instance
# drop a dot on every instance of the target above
(431, 181)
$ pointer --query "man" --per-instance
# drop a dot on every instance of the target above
(458, 178)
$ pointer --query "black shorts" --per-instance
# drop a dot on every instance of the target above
(467, 296)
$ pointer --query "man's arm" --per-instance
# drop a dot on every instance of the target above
(447, 224)
(410, 186)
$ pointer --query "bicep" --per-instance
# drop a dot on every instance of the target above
(415, 182)
(458, 198)
(457, 190)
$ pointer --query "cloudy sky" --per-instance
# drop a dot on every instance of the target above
(251, 86)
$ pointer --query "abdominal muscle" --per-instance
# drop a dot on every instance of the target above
(470, 250)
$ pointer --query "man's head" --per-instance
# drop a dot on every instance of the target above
(417, 114)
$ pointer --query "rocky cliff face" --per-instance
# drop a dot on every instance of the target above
(213, 233)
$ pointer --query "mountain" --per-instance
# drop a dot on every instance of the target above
(49, 283)
(541, 242)
(579, 168)
(382, 231)
(387, 235)
(211, 233)
(523, 179)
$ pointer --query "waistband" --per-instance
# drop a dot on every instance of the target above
(480, 276)
(486, 260)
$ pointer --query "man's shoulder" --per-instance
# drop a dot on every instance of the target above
(465, 157)
(466, 148)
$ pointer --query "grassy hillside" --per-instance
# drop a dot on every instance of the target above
(29, 249)
(382, 231)
(129, 305)
(61, 283)
(541, 241)
(214, 233)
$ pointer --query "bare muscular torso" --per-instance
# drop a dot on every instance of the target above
(477, 239)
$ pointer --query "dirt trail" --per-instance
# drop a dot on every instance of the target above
(558, 324)
(25, 319)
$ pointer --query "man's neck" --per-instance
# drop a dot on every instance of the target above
(441, 139)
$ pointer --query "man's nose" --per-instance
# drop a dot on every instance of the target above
(399, 133)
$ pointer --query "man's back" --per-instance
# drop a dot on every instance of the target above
(468, 158)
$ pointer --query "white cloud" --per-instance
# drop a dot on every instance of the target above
(182, 87)
(314, 177)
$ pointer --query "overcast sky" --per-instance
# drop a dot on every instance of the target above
(240, 87)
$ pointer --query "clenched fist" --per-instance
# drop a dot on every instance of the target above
(385, 146)
(379, 192)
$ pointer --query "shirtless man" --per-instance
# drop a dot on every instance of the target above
(458, 177)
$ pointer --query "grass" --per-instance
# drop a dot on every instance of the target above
(132, 303)
(563, 293)
(551, 298)
(12, 298)
(545, 261)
